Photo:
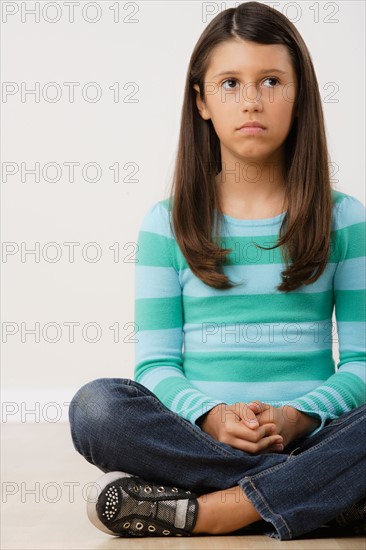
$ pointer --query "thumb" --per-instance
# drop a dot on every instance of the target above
(248, 416)
(257, 406)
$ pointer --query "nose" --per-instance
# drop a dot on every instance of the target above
(251, 98)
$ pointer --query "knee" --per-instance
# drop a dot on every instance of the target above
(94, 402)
(86, 395)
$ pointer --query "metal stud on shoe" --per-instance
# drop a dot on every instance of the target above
(142, 502)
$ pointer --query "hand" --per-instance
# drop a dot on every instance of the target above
(238, 426)
(290, 423)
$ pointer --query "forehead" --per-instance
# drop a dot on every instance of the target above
(248, 57)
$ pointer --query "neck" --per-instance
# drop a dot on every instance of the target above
(253, 185)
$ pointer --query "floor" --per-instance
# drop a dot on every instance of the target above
(44, 482)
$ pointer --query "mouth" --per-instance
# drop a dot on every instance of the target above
(251, 130)
(252, 124)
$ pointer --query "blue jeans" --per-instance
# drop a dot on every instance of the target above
(119, 424)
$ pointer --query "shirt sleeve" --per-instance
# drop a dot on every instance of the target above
(159, 319)
(346, 388)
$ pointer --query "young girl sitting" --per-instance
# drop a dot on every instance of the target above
(237, 413)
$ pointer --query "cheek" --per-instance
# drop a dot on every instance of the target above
(223, 117)
(282, 117)
(222, 104)
(225, 114)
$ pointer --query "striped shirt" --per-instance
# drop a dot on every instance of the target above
(198, 346)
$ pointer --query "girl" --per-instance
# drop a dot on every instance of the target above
(237, 414)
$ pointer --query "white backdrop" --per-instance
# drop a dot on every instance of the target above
(91, 101)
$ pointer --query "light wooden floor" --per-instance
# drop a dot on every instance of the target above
(43, 502)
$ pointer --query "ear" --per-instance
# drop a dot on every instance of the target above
(202, 109)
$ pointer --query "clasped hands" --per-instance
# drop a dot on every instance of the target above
(257, 427)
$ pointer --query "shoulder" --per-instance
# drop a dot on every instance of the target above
(157, 218)
(347, 210)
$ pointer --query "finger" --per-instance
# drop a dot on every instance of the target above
(254, 407)
(263, 411)
(244, 415)
(245, 433)
(257, 406)
(248, 417)
(276, 448)
(235, 414)
(255, 448)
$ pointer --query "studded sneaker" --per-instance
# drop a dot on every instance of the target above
(129, 506)
(354, 518)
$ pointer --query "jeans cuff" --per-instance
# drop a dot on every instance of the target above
(281, 530)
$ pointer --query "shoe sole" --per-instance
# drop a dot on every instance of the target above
(91, 506)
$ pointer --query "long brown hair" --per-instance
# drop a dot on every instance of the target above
(305, 232)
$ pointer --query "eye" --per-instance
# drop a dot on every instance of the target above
(229, 80)
(271, 78)
(233, 80)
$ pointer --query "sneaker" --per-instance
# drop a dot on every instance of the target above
(129, 506)
(354, 518)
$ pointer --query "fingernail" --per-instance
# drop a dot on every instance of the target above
(253, 425)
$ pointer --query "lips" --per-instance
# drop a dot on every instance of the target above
(252, 124)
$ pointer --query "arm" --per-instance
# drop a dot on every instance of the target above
(159, 319)
(346, 389)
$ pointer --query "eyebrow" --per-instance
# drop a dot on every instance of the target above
(273, 70)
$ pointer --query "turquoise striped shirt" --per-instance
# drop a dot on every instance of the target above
(198, 346)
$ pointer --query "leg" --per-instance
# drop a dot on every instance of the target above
(324, 479)
(117, 424)
(237, 514)
(224, 512)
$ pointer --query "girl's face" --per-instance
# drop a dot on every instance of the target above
(258, 83)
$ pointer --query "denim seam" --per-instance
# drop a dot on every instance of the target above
(317, 446)
(267, 506)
